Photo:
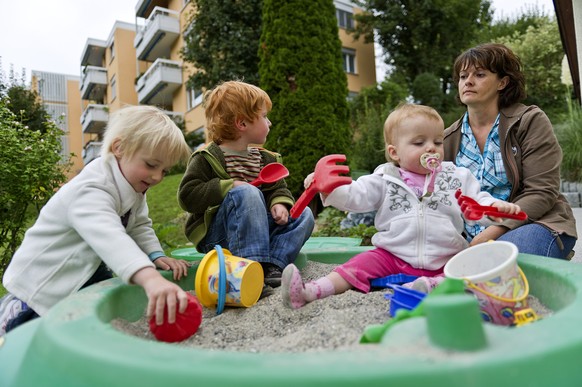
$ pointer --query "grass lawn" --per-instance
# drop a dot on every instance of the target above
(167, 216)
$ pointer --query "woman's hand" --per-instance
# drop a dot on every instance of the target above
(178, 266)
(280, 214)
(508, 208)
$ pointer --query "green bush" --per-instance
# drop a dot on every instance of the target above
(569, 135)
(328, 225)
(32, 170)
(368, 111)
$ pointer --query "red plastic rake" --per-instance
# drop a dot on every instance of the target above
(326, 178)
(474, 211)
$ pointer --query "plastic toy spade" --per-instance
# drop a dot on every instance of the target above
(474, 211)
(327, 177)
(271, 173)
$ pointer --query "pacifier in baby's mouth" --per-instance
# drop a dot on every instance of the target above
(432, 162)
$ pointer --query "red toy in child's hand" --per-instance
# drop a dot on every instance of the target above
(326, 178)
(186, 324)
(474, 211)
(271, 173)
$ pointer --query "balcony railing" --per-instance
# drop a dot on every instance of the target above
(177, 117)
(158, 84)
(144, 8)
(155, 39)
(94, 118)
(91, 151)
(93, 83)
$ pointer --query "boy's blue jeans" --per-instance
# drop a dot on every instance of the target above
(245, 227)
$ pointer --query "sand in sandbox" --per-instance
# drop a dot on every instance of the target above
(334, 323)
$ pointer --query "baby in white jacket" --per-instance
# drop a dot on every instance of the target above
(418, 219)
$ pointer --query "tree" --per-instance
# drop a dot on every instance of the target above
(223, 42)
(530, 15)
(31, 171)
(23, 102)
(541, 52)
(301, 70)
(426, 90)
(368, 111)
(423, 36)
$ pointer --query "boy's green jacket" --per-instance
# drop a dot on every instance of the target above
(206, 183)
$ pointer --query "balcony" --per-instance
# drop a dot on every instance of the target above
(94, 53)
(93, 83)
(94, 118)
(155, 39)
(91, 151)
(158, 84)
(177, 117)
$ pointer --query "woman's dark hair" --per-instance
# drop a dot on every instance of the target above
(500, 60)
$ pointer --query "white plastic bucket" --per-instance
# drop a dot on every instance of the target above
(491, 273)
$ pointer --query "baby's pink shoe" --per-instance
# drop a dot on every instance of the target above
(292, 287)
(425, 284)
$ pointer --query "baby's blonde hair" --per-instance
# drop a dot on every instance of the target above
(148, 129)
(400, 113)
(231, 101)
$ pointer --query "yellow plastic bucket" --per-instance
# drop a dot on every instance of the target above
(491, 273)
(224, 279)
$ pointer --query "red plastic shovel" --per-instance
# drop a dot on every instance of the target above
(474, 211)
(326, 178)
(271, 173)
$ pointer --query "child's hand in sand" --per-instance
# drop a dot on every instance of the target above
(178, 266)
(161, 293)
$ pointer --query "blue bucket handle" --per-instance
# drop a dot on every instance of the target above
(221, 280)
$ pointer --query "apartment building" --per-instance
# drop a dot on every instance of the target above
(141, 64)
(61, 98)
(108, 74)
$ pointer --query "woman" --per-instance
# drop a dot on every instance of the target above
(511, 148)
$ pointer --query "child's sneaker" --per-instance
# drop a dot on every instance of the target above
(272, 275)
(292, 288)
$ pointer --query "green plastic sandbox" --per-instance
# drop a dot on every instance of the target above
(75, 345)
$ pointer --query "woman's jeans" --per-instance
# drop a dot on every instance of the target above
(245, 227)
(536, 239)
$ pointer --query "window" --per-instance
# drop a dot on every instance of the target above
(194, 98)
(113, 84)
(349, 60)
(345, 19)
(112, 51)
